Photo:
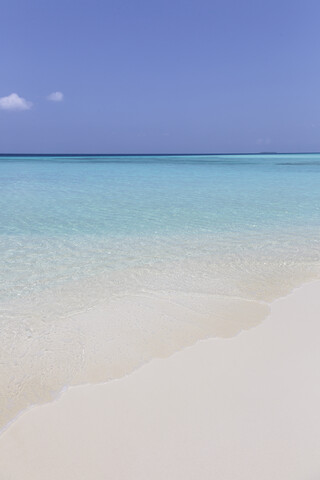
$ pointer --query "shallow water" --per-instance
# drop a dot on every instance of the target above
(106, 262)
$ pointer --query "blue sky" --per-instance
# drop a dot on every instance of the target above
(149, 76)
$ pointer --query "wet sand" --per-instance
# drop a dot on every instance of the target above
(245, 407)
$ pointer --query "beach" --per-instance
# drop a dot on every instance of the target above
(152, 321)
(107, 262)
(159, 240)
(245, 407)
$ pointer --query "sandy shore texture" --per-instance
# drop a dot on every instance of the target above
(244, 408)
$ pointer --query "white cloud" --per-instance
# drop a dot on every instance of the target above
(55, 97)
(14, 102)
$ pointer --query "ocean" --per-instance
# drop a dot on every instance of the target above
(109, 261)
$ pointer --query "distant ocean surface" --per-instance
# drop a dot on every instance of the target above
(109, 261)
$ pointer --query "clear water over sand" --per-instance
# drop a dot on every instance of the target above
(106, 262)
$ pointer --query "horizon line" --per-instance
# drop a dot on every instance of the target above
(149, 154)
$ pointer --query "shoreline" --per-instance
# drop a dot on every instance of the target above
(120, 420)
(243, 325)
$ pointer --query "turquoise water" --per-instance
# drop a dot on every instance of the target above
(77, 233)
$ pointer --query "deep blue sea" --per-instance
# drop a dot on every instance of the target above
(107, 261)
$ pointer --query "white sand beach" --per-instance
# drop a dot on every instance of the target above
(238, 408)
